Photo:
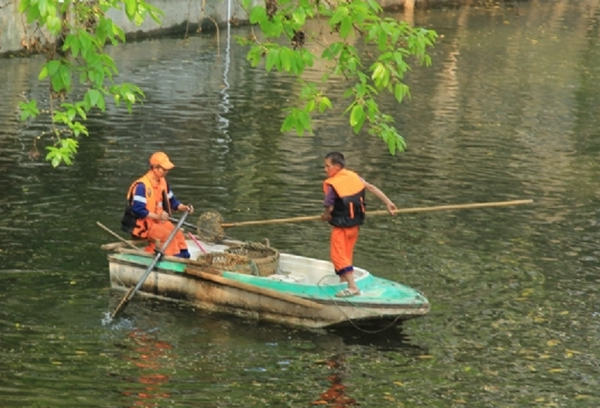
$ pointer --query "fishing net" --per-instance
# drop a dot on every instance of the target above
(209, 227)
(251, 258)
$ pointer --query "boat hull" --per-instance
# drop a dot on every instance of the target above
(261, 298)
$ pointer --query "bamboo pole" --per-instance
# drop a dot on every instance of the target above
(221, 280)
(381, 212)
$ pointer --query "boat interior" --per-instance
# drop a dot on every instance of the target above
(291, 268)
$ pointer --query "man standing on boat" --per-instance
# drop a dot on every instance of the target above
(345, 210)
(150, 203)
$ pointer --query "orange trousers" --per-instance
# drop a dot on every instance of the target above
(342, 248)
(160, 232)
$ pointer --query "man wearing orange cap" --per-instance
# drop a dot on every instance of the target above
(150, 203)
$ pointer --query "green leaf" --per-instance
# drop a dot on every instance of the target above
(102, 104)
(272, 60)
(254, 55)
(33, 13)
(92, 97)
(54, 24)
(53, 66)
(43, 73)
(286, 57)
(346, 27)
(378, 72)
(43, 7)
(340, 14)
(81, 112)
(299, 17)
(382, 40)
(303, 123)
(23, 5)
(131, 7)
(289, 123)
(400, 91)
(324, 103)
(57, 83)
(258, 14)
(71, 114)
(357, 117)
(28, 110)
(65, 77)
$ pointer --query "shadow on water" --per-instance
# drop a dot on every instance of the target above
(393, 338)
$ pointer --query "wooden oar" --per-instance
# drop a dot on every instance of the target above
(381, 212)
(120, 238)
(131, 292)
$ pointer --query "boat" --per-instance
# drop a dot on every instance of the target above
(297, 291)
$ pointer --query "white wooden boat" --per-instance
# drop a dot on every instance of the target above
(300, 293)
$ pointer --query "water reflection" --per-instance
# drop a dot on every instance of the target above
(152, 357)
(335, 396)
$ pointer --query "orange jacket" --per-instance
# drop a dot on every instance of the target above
(156, 202)
(349, 206)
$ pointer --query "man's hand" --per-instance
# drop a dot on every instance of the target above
(391, 207)
(326, 216)
(189, 207)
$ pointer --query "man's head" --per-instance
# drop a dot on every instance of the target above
(160, 159)
(334, 162)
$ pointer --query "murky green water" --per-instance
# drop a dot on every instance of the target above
(508, 111)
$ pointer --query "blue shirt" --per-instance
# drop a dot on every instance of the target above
(139, 201)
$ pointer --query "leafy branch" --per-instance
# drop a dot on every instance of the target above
(390, 44)
(81, 30)
(75, 60)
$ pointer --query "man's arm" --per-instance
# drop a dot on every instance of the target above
(381, 195)
(176, 204)
(328, 203)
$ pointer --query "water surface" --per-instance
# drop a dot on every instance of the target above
(507, 111)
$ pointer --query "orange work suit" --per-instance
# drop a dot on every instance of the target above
(156, 231)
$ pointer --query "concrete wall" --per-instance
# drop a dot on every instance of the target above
(17, 36)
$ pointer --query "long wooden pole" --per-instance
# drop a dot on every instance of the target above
(221, 280)
(381, 212)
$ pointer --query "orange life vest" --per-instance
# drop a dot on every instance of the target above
(156, 201)
(349, 206)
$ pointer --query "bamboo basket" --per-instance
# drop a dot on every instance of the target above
(265, 259)
(250, 258)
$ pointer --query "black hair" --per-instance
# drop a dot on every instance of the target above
(336, 158)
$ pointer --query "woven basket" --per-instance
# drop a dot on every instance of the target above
(263, 258)
(222, 261)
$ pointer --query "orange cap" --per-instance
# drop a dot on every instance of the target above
(162, 160)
